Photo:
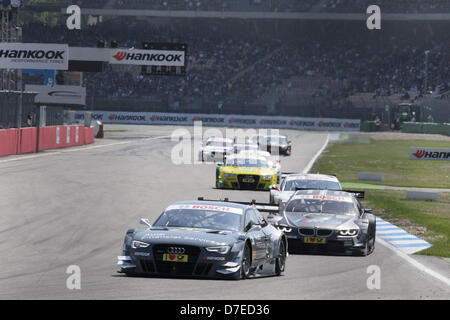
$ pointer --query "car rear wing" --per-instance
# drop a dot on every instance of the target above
(260, 206)
(359, 194)
(285, 174)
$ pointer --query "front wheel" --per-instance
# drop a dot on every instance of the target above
(246, 262)
(280, 262)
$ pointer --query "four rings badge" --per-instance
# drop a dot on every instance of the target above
(176, 250)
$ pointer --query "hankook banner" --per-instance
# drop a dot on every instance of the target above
(169, 58)
(227, 120)
(429, 154)
(47, 56)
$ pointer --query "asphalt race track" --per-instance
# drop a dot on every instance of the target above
(73, 206)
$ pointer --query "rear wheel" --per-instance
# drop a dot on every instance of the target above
(280, 262)
(246, 262)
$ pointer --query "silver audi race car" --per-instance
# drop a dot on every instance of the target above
(326, 221)
(208, 239)
(296, 181)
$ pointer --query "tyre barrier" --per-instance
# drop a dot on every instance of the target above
(20, 141)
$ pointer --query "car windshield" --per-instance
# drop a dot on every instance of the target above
(216, 143)
(247, 162)
(321, 206)
(292, 185)
(277, 140)
(205, 219)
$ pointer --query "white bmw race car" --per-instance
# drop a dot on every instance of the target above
(215, 148)
(302, 181)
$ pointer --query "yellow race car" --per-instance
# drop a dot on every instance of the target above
(243, 171)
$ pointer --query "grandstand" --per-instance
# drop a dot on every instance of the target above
(341, 6)
(292, 67)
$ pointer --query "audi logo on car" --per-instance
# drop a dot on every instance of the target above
(176, 250)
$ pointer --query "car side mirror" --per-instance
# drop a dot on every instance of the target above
(220, 164)
(146, 222)
(274, 187)
(367, 210)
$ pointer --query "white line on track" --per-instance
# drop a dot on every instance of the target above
(311, 163)
(51, 153)
(401, 254)
(415, 263)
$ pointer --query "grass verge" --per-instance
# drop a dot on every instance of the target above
(391, 157)
(428, 220)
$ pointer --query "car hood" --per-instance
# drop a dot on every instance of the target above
(187, 236)
(320, 220)
(247, 170)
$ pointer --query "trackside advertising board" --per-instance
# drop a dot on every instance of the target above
(168, 58)
(47, 56)
(326, 124)
(429, 154)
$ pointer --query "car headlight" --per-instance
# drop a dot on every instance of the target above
(219, 249)
(229, 175)
(269, 176)
(284, 229)
(139, 244)
(348, 232)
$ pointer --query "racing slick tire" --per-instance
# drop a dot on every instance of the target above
(280, 262)
(246, 262)
(370, 242)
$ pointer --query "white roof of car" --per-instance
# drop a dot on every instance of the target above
(312, 176)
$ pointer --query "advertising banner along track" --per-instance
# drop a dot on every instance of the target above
(226, 120)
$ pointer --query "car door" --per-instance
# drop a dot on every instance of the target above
(257, 236)
(267, 229)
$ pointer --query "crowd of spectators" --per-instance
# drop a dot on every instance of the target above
(220, 5)
(391, 6)
(241, 66)
(338, 6)
(342, 6)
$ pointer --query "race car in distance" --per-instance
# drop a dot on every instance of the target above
(275, 144)
(215, 149)
(326, 221)
(293, 182)
(205, 239)
(238, 147)
(273, 161)
(245, 172)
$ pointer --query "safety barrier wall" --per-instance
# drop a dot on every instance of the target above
(88, 135)
(27, 142)
(8, 141)
(426, 127)
(19, 141)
